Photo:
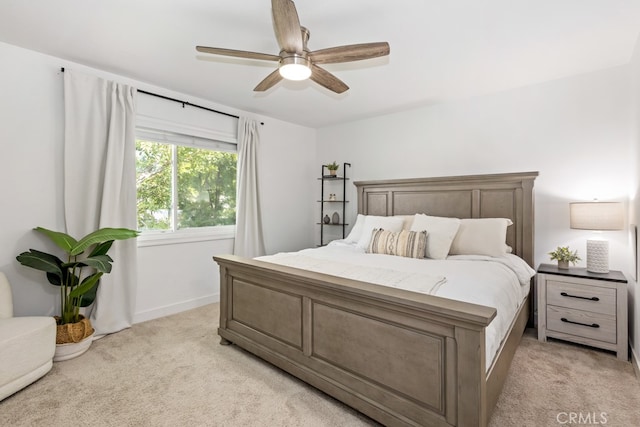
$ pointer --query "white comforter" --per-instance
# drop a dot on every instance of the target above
(502, 283)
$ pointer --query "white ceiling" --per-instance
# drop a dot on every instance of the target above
(440, 49)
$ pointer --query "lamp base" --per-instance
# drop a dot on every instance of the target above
(598, 256)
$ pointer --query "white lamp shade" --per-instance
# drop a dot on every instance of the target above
(596, 216)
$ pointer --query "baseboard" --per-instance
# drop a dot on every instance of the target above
(168, 310)
(635, 361)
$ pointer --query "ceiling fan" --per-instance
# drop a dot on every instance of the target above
(296, 61)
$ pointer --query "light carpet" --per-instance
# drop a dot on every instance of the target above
(173, 372)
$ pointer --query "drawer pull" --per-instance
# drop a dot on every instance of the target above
(593, 325)
(564, 294)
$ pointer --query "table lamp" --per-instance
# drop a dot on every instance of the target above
(599, 216)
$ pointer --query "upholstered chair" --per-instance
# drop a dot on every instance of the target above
(27, 345)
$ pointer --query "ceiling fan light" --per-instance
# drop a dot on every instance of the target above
(295, 72)
(295, 68)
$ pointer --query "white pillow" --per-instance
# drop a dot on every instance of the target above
(388, 223)
(481, 236)
(356, 231)
(440, 233)
(407, 221)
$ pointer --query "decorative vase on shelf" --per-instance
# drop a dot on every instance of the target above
(335, 218)
(326, 219)
(564, 265)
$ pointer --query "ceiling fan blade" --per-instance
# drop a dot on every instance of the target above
(287, 26)
(328, 80)
(350, 53)
(268, 81)
(237, 53)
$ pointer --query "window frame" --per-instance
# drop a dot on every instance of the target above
(160, 131)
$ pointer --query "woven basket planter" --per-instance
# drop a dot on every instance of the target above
(73, 332)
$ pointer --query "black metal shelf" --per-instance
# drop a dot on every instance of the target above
(326, 178)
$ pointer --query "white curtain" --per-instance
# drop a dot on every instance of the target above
(100, 184)
(249, 242)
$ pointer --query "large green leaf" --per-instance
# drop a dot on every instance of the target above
(63, 240)
(87, 284)
(100, 262)
(90, 296)
(42, 261)
(100, 236)
(101, 249)
(54, 279)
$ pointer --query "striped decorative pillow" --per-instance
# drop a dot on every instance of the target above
(410, 244)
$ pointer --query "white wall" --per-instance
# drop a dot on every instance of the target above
(171, 277)
(31, 113)
(576, 132)
(634, 206)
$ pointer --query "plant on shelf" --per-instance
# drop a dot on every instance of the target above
(333, 168)
(78, 277)
(564, 256)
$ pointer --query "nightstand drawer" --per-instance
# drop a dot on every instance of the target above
(601, 327)
(581, 297)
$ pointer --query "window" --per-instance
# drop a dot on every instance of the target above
(184, 183)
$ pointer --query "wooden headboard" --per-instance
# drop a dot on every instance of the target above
(508, 195)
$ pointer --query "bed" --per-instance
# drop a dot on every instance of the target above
(401, 357)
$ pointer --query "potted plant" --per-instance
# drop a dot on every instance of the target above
(333, 168)
(564, 256)
(78, 278)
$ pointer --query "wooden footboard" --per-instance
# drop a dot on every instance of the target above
(402, 358)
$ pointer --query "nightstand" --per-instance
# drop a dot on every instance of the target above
(582, 307)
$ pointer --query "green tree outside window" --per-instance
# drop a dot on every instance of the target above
(205, 186)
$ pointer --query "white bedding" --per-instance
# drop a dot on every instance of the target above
(502, 282)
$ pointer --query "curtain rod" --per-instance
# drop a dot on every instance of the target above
(183, 102)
